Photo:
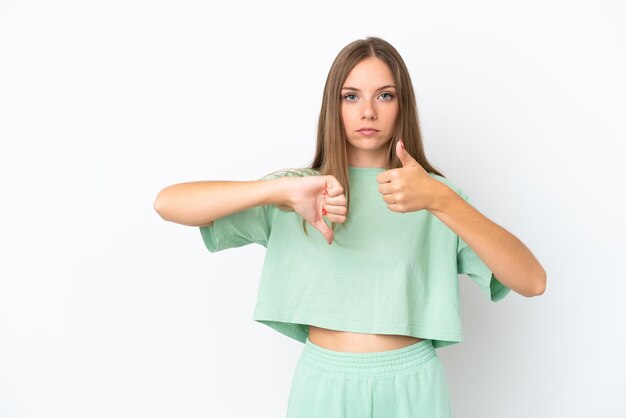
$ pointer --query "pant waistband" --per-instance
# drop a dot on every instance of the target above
(368, 363)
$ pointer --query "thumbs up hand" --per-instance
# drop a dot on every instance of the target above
(408, 188)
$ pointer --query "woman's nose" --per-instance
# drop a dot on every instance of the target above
(368, 111)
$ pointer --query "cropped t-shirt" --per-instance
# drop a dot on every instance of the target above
(386, 272)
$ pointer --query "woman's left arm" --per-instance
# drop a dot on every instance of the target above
(513, 264)
(410, 188)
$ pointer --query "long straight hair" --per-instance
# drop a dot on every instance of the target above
(331, 153)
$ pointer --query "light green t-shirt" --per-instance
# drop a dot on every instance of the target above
(385, 273)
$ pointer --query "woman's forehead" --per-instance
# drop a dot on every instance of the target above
(371, 73)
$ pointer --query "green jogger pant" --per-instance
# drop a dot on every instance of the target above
(408, 382)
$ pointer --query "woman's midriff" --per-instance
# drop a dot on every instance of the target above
(357, 342)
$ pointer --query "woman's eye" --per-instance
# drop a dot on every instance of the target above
(388, 96)
(349, 97)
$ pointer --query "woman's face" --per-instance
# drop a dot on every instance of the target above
(369, 101)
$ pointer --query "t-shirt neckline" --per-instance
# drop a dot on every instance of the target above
(364, 172)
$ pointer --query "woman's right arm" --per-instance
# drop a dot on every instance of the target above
(199, 203)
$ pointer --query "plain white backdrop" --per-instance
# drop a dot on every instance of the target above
(106, 310)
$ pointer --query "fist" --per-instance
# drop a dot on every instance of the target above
(314, 197)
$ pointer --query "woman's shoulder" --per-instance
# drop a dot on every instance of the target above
(291, 172)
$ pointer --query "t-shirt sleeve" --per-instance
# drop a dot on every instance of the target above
(252, 225)
(238, 229)
(470, 264)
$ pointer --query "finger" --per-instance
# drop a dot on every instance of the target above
(386, 188)
(406, 158)
(336, 209)
(386, 176)
(333, 188)
(390, 198)
(396, 207)
(336, 200)
(336, 218)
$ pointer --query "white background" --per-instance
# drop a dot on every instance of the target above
(106, 310)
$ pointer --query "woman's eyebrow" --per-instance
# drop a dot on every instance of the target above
(380, 88)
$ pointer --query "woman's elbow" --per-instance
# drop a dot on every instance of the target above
(539, 285)
(160, 205)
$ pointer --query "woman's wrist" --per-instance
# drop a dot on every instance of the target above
(281, 192)
(442, 197)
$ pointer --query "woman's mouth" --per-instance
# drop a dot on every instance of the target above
(367, 131)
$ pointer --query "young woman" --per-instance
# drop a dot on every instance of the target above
(374, 291)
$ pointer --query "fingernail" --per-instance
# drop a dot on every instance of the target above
(324, 211)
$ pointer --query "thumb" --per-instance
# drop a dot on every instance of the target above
(328, 233)
(403, 155)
